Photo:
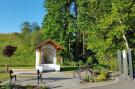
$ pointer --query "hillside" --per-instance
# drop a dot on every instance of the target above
(24, 55)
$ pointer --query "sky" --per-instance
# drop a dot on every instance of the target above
(14, 12)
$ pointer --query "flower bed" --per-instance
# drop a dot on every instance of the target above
(99, 77)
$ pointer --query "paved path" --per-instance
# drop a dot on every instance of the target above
(122, 84)
(58, 80)
(54, 80)
(65, 80)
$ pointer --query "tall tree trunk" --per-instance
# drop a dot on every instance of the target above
(67, 24)
(77, 31)
(76, 11)
(69, 41)
(126, 42)
(124, 37)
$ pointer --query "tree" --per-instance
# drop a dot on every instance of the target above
(35, 27)
(107, 28)
(8, 52)
(30, 33)
(101, 26)
(59, 23)
(36, 37)
(26, 27)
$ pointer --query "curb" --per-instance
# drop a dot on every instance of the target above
(100, 84)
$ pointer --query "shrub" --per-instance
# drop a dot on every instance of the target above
(112, 65)
(101, 77)
(89, 61)
(88, 79)
(68, 68)
(99, 67)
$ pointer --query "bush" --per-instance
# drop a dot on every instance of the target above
(101, 77)
(68, 68)
(89, 61)
(99, 67)
(69, 63)
(112, 65)
(88, 79)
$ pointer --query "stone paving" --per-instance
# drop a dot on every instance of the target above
(61, 80)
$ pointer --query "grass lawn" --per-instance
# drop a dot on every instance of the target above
(4, 76)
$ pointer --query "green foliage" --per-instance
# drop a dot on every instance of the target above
(88, 79)
(60, 24)
(112, 64)
(68, 68)
(25, 42)
(78, 25)
(101, 77)
(26, 28)
(106, 22)
(69, 63)
(90, 61)
(54, 20)
(99, 67)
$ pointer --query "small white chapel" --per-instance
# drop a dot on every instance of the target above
(47, 57)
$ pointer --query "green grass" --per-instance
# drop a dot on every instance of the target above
(4, 76)
(24, 55)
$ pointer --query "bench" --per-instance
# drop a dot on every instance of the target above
(12, 75)
(37, 73)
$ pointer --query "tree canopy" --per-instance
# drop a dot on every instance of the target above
(101, 26)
